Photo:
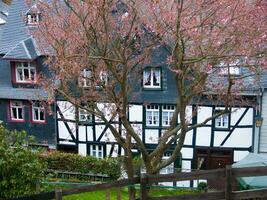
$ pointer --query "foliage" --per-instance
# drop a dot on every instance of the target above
(203, 40)
(20, 166)
(202, 186)
(76, 163)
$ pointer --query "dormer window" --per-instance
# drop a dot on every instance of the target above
(25, 72)
(86, 76)
(33, 18)
(152, 78)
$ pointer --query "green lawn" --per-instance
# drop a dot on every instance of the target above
(100, 195)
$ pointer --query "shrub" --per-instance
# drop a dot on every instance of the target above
(20, 166)
(77, 163)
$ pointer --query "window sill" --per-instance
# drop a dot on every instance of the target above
(17, 120)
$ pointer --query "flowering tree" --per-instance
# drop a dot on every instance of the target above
(205, 40)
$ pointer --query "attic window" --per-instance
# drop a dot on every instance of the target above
(33, 18)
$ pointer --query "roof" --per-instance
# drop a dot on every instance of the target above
(7, 91)
(15, 29)
(24, 50)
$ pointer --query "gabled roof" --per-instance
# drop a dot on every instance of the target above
(15, 30)
(24, 50)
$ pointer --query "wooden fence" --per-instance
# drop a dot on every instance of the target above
(228, 175)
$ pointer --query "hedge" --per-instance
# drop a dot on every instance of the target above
(84, 164)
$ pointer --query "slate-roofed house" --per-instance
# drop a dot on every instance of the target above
(216, 144)
(21, 99)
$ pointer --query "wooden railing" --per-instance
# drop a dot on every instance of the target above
(227, 175)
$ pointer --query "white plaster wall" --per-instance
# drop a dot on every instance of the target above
(241, 137)
(219, 136)
(203, 113)
(63, 131)
(248, 118)
(136, 113)
(107, 109)
(203, 136)
(189, 138)
(239, 155)
(151, 136)
(82, 133)
(67, 109)
(82, 149)
(187, 153)
(89, 133)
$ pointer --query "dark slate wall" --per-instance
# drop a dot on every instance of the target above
(44, 133)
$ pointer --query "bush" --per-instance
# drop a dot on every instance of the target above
(20, 166)
(77, 163)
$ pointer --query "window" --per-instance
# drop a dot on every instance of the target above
(96, 151)
(25, 72)
(33, 18)
(17, 111)
(86, 75)
(167, 113)
(222, 121)
(152, 78)
(103, 75)
(152, 115)
(84, 115)
(38, 112)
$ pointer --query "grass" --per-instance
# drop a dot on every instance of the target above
(155, 192)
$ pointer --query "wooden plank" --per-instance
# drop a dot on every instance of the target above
(42, 196)
(228, 182)
(247, 194)
(103, 186)
(249, 171)
(58, 194)
(215, 173)
(206, 196)
(143, 187)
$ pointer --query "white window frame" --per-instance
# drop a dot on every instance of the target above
(222, 121)
(84, 115)
(148, 77)
(152, 115)
(40, 110)
(97, 151)
(103, 75)
(33, 18)
(25, 66)
(169, 111)
(18, 107)
(86, 76)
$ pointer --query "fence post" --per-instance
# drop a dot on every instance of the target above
(58, 194)
(107, 194)
(143, 187)
(228, 182)
(119, 194)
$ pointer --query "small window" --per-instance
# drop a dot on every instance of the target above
(86, 76)
(152, 78)
(103, 75)
(25, 72)
(38, 112)
(152, 115)
(17, 111)
(222, 121)
(167, 113)
(33, 18)
(97, 151)
(84, 115)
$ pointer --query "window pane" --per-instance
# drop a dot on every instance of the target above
(42, 115)
(35, 116)
(26, 74)
(20, 113)
(147, 77)
(14, 113)
(156, 77)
